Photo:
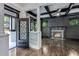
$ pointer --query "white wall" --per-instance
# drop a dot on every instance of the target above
(35, 40)
(12, 39)
(22, 14)
(14, 5)
(3, 37)
(10, 13)
(4, 45)
(20, 8)
(1, 17)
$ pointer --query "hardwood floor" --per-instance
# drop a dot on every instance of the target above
(50, 48)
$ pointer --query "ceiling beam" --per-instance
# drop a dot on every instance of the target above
(74, 7)
(33, 14)
(64, 9)
(6, 7)
(48, 11)
(30, 12)
(69, 8)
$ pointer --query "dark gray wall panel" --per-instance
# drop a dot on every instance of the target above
(70, 32)
(58, 22)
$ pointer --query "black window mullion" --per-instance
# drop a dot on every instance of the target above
(11, 23)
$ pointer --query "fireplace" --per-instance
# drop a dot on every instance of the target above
(57, 34)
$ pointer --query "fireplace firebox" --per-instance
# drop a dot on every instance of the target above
(57, 34)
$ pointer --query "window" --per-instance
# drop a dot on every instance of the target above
(9, 23)
(13, 24)
(33, 24)
(74, 22)
(6, 23)
(45, 23)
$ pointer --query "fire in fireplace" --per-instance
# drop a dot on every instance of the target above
(57, 34)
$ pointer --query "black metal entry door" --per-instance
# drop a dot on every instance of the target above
(23, 33)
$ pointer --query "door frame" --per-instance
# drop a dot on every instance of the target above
(18, 32)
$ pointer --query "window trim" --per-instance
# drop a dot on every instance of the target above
(11, 21)
(11, 9)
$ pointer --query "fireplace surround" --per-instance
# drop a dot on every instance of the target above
(57, 34)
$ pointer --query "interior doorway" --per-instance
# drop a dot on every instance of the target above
(23, 33)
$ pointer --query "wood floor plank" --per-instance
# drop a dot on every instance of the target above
(53, 48)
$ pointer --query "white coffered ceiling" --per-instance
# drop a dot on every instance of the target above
(52, 6)
(30, 6)
(22, 4)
